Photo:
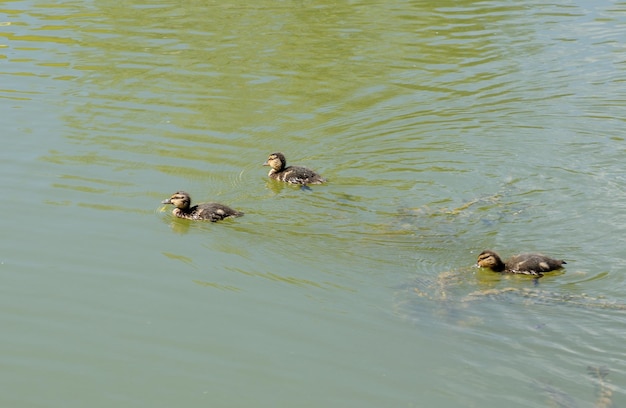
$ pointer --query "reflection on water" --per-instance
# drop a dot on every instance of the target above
(444, 129)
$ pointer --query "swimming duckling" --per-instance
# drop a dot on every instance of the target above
(292, 174)
(205, 211)
(527, 264)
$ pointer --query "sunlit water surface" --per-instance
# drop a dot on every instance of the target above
(444, 128)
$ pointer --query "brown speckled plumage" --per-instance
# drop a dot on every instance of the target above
(291, 174)
(527, 264)
(205, 211)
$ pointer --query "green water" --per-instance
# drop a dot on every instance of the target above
(444, 128)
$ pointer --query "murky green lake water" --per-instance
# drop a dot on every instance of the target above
(444, 128)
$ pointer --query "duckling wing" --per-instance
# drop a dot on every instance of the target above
(215, 212)
(301, 175)
(533, 264)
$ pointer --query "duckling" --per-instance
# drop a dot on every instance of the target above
(292, 174)
(205, 211)
(527, 264)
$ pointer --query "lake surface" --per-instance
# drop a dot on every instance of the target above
(444, 128)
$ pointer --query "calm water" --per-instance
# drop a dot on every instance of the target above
(445, 128)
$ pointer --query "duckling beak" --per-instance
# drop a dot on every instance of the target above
(266, 163)
(168, 201)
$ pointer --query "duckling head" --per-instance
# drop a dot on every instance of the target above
(276, 161)
(179, 199)
(491, 260)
